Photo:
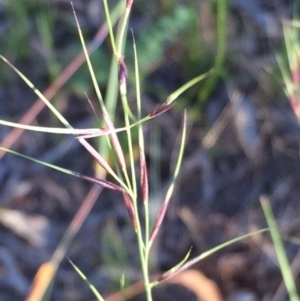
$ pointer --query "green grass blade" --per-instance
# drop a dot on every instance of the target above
(143, 164)
(284, 265)
(210, 252)
(172, 97)
(69, 131)
(124, 24)
(173, 270)
(171, 188)
(166, 105)
(90, 66)
(38, 93)
(90, 285)
(94, 180)
(221, 49)
(109, 23)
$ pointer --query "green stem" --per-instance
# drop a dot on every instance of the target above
(143, 253)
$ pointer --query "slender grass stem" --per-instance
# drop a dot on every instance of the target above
(124, 23)
(111, 34)
(143, 253)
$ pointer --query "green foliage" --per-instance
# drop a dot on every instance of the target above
(20, 20)
(283, 262)
(81, 82)
(113, 251)
(155, 38)
(288, 62)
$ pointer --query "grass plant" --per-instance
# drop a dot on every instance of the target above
(125, 183)
(289, 63)
(284, 265)
(124, 178)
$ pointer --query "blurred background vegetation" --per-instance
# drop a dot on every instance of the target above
(254, 151)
